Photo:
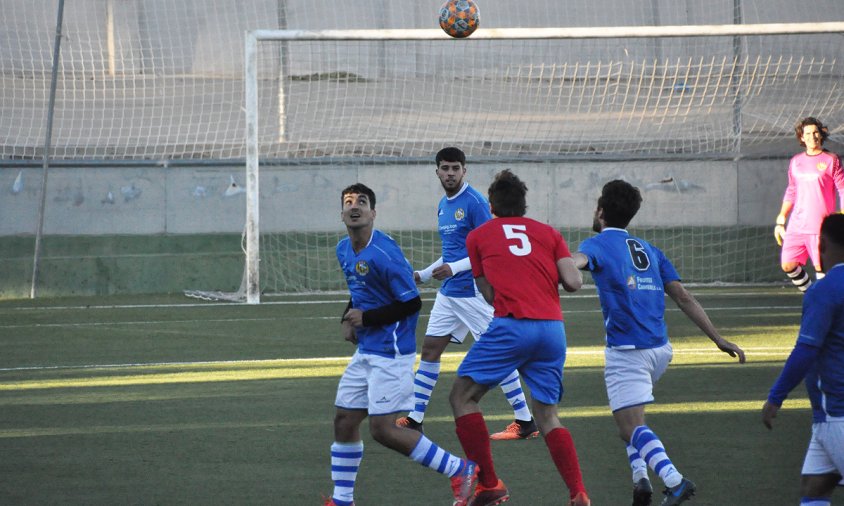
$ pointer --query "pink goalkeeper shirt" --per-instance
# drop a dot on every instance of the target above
(812, 181)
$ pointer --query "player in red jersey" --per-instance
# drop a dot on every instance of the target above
(518, 264)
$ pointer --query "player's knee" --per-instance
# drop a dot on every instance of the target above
(788, 267)
(433, 347)
(383, 433)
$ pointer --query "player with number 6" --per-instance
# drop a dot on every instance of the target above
(632, 278)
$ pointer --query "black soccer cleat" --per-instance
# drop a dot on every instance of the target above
(679, 494)
(410, 423)
(642, 492)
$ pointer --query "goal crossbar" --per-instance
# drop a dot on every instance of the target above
(604, 32)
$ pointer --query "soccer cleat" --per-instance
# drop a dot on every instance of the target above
(330, 502)
(517, 430)
(581, 499)
(490, 496)
(642, 492)
(463, 484)
(679, 494)
(410, 423)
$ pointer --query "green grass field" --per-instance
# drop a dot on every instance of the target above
(166, 400)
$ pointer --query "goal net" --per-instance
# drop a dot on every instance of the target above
(519, 97)
(694, 102)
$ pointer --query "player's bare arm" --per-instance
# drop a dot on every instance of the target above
(694, 311)
(486, 289)
(570, 275)
(580, 260)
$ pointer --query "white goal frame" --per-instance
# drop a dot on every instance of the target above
(251, 284)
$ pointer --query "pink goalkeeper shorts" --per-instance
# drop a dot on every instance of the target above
(797, 247)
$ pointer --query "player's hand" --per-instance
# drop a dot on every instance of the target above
(731, 349)
(354, 317)
(442, 272)
(349, 333)
(417, 277)
(779, 233)
(769, 412)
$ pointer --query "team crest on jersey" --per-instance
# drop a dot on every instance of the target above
(459, 214)
(821, 166)
(362, 268)
(631, 282)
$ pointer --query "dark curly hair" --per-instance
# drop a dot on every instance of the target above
(798, 129)
(507, 195)
(620, 201)
(450, 154)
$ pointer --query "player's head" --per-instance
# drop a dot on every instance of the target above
(618, 204)
(357, 203)
(831, 244)
(450, 154)
(810, 128)
(451, 167)
(507, 195)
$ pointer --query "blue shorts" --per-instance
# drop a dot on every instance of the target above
(537, 348)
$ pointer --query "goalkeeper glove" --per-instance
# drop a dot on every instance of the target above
(779, 230)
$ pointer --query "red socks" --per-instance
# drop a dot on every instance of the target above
(564, 455)
(474, 437)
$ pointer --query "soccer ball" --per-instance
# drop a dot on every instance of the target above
(459, 18)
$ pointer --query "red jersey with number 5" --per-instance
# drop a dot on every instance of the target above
(518, 257)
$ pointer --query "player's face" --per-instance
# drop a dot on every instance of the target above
(356, 211)
(812, 138)
(451, 176)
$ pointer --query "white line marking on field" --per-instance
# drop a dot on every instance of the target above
(317, 360)
(426, 315)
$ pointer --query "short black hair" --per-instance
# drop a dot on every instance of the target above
(832, 229)
(359, 188)
(620, 201)
(809, 120)
(450, 154)
(507, 195)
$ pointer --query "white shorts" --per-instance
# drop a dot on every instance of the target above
(826, 449)
(457, 316)
(630, 374)
(377, 384)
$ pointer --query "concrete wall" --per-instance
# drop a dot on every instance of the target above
(199, 200)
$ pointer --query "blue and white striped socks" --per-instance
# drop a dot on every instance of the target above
(423, 385)
(430, 455)
(651, 450)
(637, 465)
(345, 461)
(512, 388)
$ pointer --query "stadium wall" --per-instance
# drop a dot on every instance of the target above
(112, 230)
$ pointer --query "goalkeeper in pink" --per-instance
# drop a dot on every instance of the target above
(813, 177)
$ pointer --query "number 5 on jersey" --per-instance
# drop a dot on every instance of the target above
(517, 233)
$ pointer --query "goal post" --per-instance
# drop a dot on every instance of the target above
(650, 86)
